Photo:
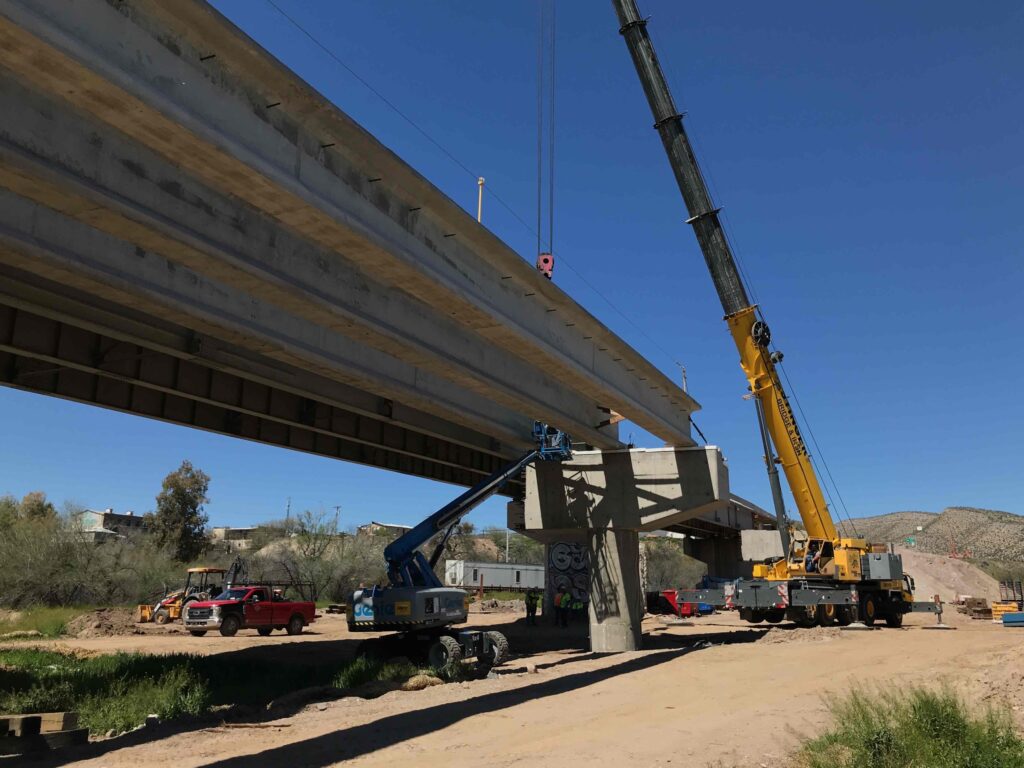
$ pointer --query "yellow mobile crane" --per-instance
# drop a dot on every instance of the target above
(825, 577)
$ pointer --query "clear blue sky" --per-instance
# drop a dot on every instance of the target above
(869, 160)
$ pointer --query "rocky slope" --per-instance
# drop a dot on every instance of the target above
(984, 533)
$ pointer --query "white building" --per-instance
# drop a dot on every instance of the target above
(507, 576)
(105, 524)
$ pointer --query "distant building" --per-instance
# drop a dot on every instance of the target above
(374, 528)
(505, 576)
(106, 524)
(233, 539)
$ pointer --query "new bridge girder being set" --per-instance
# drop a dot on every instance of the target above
(191, 233)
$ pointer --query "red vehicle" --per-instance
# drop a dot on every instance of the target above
(253, 607)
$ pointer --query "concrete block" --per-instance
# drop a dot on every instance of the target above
(757, 546)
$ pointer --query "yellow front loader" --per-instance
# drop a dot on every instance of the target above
(200, 584)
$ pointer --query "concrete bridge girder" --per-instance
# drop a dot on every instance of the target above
(212, 122)
(177, 241)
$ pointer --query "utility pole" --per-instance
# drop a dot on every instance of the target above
(506, 546)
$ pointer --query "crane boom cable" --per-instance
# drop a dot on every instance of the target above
(818, 451)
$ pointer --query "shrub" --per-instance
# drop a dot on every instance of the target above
(920, 728)
(366, 669)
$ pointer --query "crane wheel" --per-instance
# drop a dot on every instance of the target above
(869, 610)
(498, 651)
(774, 615)
(161, 616)
(444, 653)
(894, 620)
(844, 615)
(828, 614)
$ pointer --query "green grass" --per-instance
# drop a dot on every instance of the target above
(50, 622)
(109, 692)
(920, 728)
(117, 691)
(366, 669)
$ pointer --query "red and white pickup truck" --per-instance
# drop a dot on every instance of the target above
(253, 607)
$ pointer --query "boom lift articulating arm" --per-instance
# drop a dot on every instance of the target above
(748, 329)
(409, 567)
(415, 604)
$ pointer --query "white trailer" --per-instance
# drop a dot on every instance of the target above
(508, 576)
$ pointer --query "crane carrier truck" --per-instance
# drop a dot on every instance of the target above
(822, 576)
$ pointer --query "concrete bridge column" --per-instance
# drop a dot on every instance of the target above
(616, 596)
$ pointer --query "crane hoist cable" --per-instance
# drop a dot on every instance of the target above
(546, 165)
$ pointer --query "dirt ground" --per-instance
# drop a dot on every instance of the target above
(705, 691)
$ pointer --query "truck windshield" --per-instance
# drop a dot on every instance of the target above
(232, 594)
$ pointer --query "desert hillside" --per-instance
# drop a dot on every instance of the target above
(984, 533)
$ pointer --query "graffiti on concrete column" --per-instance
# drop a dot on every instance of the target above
(567, 567)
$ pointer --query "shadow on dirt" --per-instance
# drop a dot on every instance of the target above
(659, 648)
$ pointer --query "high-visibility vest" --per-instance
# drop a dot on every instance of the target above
(561, 598)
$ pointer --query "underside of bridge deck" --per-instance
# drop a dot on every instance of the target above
(189, 232)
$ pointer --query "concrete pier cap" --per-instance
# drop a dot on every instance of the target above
(590, 510)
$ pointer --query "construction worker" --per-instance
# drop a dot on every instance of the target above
(812, 558)
(531, 599)
(562, 599)
(577, 609)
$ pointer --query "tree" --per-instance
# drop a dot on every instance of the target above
(306, 555)
(34, 506)
(521, 549)
(669, 567)
(179, 520)
(9, 511)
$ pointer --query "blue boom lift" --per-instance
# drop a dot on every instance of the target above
(415, 603)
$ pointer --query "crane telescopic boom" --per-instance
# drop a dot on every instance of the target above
(748, 329)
